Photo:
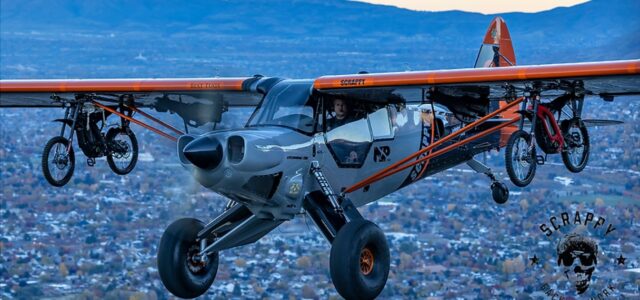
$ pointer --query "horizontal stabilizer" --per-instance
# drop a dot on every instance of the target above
(600, 122)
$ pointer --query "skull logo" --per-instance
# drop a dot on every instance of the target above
(578, 257)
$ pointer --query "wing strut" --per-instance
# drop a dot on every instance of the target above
(152, 118)
(121, 115)
(402, 164)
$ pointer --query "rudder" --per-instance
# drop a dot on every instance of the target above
(496, 49)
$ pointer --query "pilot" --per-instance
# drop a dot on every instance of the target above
(400, 117)
(427, 115)
(429, 119)
(342, 115)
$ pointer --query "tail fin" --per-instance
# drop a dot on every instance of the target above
(496, 49)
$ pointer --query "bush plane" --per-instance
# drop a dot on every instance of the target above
(326, 146)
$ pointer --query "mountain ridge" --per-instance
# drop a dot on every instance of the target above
(291, 37)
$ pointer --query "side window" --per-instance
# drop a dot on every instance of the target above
(347, 132)
(380, 123)
(351, 127)
(349, 143)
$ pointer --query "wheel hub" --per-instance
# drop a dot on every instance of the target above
(366, 261)
(61, 161)
(194, 263)
(575, 140)
(121, 149)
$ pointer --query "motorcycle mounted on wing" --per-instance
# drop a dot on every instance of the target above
(119, 145)
(555, 127)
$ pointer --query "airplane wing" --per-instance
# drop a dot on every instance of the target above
(191, 98)
(606, 79)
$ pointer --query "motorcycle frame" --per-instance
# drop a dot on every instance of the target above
(546, 115)
(75, 109)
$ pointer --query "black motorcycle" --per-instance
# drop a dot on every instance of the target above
(119, 145)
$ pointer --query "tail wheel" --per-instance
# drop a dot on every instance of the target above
(576, 153)
(122, 154)
(181, 272)
(500, 192)
(359, 262)
(519, 159)
(57, 163)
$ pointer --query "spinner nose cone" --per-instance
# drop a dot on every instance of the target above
(204, 152)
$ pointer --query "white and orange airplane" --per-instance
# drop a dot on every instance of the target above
(328, 145)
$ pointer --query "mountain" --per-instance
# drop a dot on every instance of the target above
(305, 17)
(353, 34)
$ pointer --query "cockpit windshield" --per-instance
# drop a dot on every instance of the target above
(287, 104)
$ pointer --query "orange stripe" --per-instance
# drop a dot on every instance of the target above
(607, 68)
(121, 85)
(426, 163)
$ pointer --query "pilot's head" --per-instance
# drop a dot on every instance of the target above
(427, 115)
(340, 108)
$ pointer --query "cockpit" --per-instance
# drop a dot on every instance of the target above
(288, 104)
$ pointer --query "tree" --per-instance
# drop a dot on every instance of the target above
(64, 272)
(599, 202)
(308, 292)
(524, 204)
(406, 261)
(240, 262)
(304, 262)
(408, 247)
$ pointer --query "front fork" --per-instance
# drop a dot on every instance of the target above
(124, 107)
(75, 109)
(535, 101)
(576, 105)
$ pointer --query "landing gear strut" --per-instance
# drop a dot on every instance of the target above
(360, 260)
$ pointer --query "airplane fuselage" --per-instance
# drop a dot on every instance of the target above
(266, 165)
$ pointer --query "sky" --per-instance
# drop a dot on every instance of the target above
(481, 6)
